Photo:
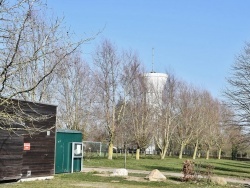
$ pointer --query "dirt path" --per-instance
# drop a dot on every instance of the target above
(102, 170)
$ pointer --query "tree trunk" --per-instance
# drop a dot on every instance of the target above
(181, 150)
(137, 155)
(163, 153)
(170, 154)
(195, 149)
(219, 153)
(116, 151)
(207, 153)
(199, 154)
(110, 152)
(234, 152)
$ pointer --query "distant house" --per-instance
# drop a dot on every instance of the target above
(27, 153)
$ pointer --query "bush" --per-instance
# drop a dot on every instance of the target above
(188, 170)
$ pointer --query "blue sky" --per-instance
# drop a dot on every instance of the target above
(198, 40)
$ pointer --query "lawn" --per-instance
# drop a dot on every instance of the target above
(94, 180)
(239, 169)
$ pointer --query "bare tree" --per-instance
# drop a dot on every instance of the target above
(107, 76)
(131, 70)
(239, 140)
(200, 117)
(238, 91)
(211, 123)
(166, 119)
(31, 48)
(140, 115)
(186, 116)
(225, 122)
(75, 94)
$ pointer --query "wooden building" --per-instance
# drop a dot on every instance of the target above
(27, 148)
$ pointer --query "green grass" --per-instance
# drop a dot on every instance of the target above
(92, 180)
(222, 167)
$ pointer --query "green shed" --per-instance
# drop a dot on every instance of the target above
(68, 151)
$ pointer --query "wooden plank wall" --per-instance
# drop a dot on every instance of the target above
(11, 155)
(39, 159)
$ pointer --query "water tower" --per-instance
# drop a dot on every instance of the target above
(155, 85)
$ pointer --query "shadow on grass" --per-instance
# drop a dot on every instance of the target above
(225, 167)
(245, 165)
(164, 168)
(177, 179)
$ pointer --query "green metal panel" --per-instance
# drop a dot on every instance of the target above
(64, 138)
(77, 164)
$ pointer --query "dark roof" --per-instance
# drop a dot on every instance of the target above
(67, 131)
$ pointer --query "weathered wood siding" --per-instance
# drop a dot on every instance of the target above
(39, 159)
(11, 156)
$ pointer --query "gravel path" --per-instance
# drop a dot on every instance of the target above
(174, 174)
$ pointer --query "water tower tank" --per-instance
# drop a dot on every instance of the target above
(155, 85)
